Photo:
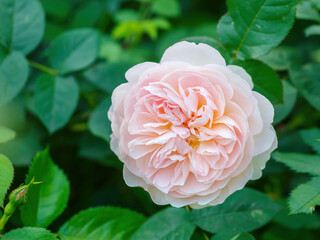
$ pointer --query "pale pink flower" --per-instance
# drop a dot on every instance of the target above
(190, 130)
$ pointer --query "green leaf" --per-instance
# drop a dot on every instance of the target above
(254, 27)
(282, 110)
(312, 30)
(230, 236)
(299, 162)
(243, 211)
(306, 79)
(29, 24)
(166, 8)
(23, 148)
(296, 221)
(55, 100)
(14, 72)
(101, 223)
(59, 9)
(47, 200)
(265, 80)
(6, 134)
(312, 138)
(107, 76)
(24, 23)
(307, 11)
(74, 50)
(171, 223)
(99, 124)
(280, 58)
(305, 197)
(29, 233)
(6, 176)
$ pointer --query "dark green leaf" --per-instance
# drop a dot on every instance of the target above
(22, 24)
(107, 76)
(6, 134)
(6, 176)
(23, 148)
(243, 211)
(171, 223)
(306, 79)
(29, 233)
(296, 221)
(299, 162)
(231, 236)
(265, 80)
(46, 201)
(99, 124)
(74, 50)
(254, 27)
(282, 110)
(312, 138)
(305, 197)
(101, 223)
(14, 72)
(55, 100)
(29, 24)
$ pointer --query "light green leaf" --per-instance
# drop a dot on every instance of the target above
(280, 58)
(171, 223)
(22, 24)
(307, 11)
(305, 197)
(47, 200)
(282, 110)
(107, 76)
(29, 233)
(101, 223)
(14, 72)
(312, 30)
(299, 162)
(312, 138)
(243, 211)
(166, 8)
(254, 27)
(74, 50)
(6, 176)
(306, 79)
(99, 124)
(265, 80)
(55, 100)
(231, 236)
(6, 134)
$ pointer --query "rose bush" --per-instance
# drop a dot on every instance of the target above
(190, 130)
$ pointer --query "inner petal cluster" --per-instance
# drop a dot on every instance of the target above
(187, 129)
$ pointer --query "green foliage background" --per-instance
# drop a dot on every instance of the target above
(59, 63)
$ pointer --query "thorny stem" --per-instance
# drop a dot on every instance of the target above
(43, 68)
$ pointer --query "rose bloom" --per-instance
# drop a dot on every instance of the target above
(189, 129)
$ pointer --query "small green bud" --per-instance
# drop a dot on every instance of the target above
(19, 196)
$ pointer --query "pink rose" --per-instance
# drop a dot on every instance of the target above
(190, 130)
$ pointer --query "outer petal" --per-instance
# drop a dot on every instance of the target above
(242, 73)
(192, 53)
(133, 74)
